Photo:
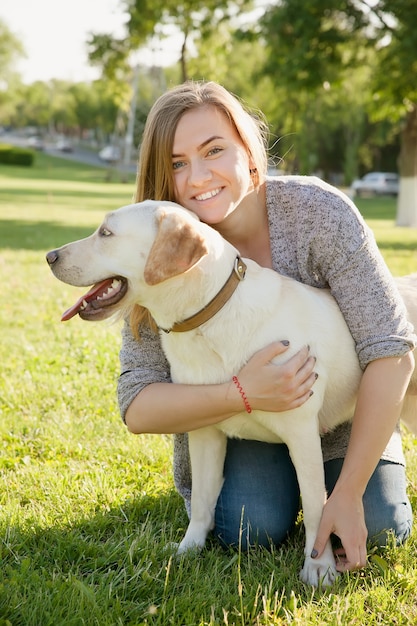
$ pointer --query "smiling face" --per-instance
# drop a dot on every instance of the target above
(211, 166)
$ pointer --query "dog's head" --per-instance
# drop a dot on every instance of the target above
(138, 245)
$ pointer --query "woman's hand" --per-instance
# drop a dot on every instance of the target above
(177, 408)
(343, 515)
(381, 392)
(278, 387)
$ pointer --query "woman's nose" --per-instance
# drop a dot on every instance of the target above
(199, 173)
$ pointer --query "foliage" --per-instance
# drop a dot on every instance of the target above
(307, 45)
(396, 78)
(12, 155)
(336, 84)
(148, 18)
(308, 48)
(10, 49)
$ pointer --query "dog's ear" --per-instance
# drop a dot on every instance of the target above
(177, 247)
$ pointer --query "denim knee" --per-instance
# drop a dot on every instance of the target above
(386, 504)
(260, 499)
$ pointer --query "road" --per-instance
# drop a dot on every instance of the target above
(79, 154)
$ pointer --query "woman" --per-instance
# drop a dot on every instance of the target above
(202, 149)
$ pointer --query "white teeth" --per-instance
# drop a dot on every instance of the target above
(84, 305)
(113, 287)
(209, 194)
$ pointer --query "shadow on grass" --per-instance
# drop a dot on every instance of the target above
(115, 568)
(379, 208)
(387, 244)
(74, 573)
(42, 235)
(35, 195)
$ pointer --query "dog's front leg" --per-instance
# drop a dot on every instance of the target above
(207, 454)
(306, 454)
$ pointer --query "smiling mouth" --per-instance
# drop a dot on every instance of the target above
(208, 194)
(98, 302)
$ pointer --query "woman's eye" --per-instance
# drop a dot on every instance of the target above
(177, 165)
(214, 151)
(105, 232)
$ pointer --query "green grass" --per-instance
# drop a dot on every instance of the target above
(86, 509)
(397, 244)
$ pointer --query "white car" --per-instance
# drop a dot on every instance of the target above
(110, 154)
(64, 145)
(377, 184)
(36, 142)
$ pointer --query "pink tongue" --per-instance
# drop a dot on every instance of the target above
(95, 291)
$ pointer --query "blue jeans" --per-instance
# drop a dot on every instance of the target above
(260, 498)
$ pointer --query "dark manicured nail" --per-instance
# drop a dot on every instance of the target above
(314, 554)
(285, 342)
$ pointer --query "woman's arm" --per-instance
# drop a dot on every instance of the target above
(163, 407)
(378, 409)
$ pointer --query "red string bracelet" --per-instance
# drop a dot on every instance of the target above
(243, 394)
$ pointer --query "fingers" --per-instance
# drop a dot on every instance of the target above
(301, 364)
(345, 519)
(267, 354)
(278, 386)
(357, 559)
(297, 377)
(323, 535)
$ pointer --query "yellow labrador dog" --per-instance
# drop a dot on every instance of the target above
(214, 310)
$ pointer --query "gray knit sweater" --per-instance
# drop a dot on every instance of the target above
(319, 238)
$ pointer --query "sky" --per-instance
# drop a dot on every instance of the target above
(54, 32)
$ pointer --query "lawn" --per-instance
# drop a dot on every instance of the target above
(87, 509)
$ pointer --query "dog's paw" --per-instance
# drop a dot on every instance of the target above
(194, 539)
(319, 572)
(171, 547)
(189, 546)
(179, 549)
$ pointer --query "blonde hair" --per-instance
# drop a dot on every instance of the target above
(155, 174)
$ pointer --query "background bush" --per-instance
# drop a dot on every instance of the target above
(12, 155)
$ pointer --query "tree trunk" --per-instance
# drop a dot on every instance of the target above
(183, 59)
(407, 198)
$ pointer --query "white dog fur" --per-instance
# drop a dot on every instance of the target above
(173, 264)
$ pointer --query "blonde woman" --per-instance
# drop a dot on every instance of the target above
(204, 150)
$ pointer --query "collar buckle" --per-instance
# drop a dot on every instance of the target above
(239, 268)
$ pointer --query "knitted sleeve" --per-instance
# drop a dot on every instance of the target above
(319, 238)
(142, 363)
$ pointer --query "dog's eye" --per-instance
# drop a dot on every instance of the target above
(104, 232)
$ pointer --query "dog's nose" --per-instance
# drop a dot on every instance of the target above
(52, 257)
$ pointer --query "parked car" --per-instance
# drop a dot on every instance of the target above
(110, 154)
(377, 184)
(36, 142)
(64, 145)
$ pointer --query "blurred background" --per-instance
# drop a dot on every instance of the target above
(337, 85)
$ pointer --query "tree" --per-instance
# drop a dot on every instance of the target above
(11, 50)
(395, 93)
(149, 18)
(309, 46)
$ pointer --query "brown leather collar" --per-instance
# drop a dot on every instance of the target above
(206, 313)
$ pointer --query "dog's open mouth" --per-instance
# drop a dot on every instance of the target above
(97, 303)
